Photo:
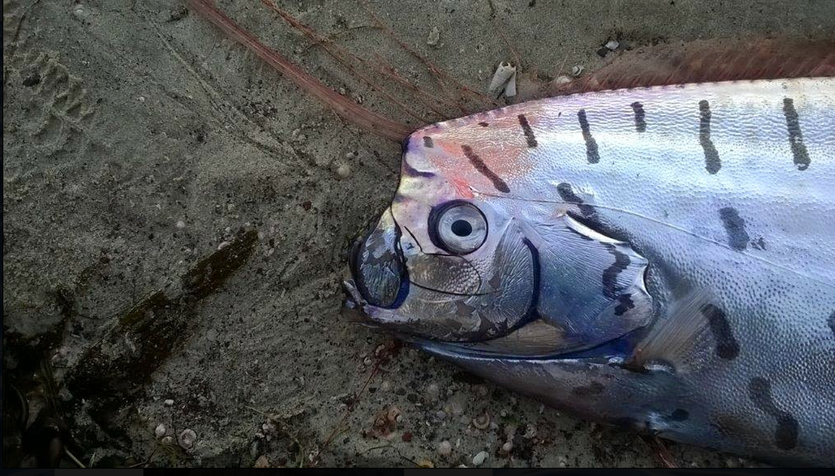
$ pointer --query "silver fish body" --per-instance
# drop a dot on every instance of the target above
(613, 222)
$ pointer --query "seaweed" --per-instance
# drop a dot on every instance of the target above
(114, 370)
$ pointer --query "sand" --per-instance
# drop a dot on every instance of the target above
(177, 219)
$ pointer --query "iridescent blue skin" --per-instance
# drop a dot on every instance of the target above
(613, 217)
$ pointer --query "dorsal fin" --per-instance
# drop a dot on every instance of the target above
(703, 61)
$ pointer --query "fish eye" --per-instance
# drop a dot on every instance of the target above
(459, 228)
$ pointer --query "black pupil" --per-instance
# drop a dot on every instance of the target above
(462, 228)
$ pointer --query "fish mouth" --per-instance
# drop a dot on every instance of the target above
(377, 276)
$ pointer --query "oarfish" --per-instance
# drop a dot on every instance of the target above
(658, 255)
(661, 258)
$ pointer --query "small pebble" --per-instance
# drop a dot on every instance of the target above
(445, 448)
(479, 459)
(181, 224)
(187, 438)
(562, 80)
(507, 447)
(159, 430)
(432, 391)
(262, 462)
(434, 36)
(612, 45)
(577, 70)
(343, 171)
(168, 440)
(530, 432)
(169, 402)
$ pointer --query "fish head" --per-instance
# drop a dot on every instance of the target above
(466, 254)
(442, 262)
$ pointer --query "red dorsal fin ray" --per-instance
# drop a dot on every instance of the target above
(703, 61)
(347, 109)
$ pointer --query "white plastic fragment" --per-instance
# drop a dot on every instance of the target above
(501, 77)
(577, 70)
(510, 89)
(612, 45)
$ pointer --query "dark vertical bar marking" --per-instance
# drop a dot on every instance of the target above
(640, 117)
(785, 436)
(610, 274)
(592, 154)
(526, 128)
(427, 142)
(712, 161)
(726, 345)
(735, 227)
(482, 168)
(801, 155)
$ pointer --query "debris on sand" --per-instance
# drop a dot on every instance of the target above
(503, 77)
(434, 37)
(482, 422)
(187, 438)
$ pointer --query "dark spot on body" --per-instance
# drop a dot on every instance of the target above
(640, 121)
(526, 129)
(567, 195)
(482, 168)
(427, 142)
(593, 388)
(625, 303)
(726, 345)
(831, 322)
(785, 436)
(712, 161)
(33, 80)
(495, 281)
(679, 414)
(483, 124)
(610, 274)
(592, 154)
(799, 152)
(735, 227)
(759, 243)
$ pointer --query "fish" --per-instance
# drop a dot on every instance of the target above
(660, 258)
(652, 246)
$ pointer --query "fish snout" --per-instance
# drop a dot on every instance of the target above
(377, 273)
